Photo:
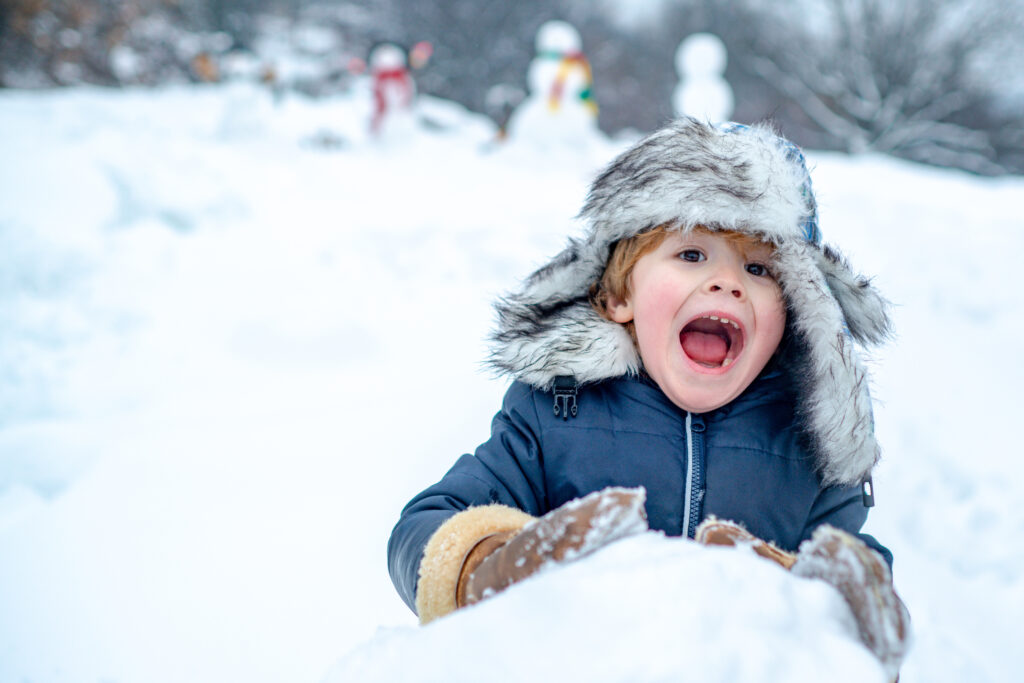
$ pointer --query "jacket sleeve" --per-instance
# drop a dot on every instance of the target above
(843, 507)
(503, 482)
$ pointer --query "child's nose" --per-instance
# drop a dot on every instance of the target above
(726, 281)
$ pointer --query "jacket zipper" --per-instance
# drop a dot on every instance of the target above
(694, 474)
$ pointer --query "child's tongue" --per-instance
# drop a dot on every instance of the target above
(704, 347)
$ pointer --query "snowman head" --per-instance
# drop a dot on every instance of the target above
(558, 37)
(387, 56)
(701, 54)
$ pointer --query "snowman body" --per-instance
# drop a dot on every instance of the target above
(703, 91)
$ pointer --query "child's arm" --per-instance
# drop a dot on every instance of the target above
(501, 488)
(843, 507)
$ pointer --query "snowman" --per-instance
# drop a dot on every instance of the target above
(393, 88)
(560, 108)
(703, 91)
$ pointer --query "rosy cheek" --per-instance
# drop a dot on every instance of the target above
(778, 322)
(662, 294)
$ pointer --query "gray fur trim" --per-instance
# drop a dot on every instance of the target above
(865, 311)
(737, 178)
(833, 398)
(692, 173)
(535, 343)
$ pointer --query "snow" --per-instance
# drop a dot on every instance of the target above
(238, 335)
(615, 618)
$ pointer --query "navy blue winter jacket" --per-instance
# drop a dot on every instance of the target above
(743, 462)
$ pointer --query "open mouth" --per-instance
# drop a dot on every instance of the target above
(712, 341)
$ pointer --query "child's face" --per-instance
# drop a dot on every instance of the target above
(703, 362)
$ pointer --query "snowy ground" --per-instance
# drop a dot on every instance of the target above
(236, 336)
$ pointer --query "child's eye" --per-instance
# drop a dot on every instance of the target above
(692, 255)
(758, 270)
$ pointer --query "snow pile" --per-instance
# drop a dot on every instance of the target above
(238, 336)
(646, 608)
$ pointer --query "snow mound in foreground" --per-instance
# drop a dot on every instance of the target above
(647, 608)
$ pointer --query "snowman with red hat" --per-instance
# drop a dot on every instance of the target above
(392, 86)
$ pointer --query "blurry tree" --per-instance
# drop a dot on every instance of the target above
(63, 42)
(238, 18)
(920, 79)
(59, 39)
(909, 78)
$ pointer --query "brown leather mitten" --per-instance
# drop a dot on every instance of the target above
(713, 531)
(862, 577)
(567, 533)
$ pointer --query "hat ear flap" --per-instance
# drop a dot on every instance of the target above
(550, 329)
(832, 384)
(864, 309)
(567, 276)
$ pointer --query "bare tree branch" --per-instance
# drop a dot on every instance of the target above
(893, 77)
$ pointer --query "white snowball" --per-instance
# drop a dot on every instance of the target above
(701, 54)
(558, 36)
(387, 56)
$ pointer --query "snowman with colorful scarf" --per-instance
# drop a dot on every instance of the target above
(560, 108)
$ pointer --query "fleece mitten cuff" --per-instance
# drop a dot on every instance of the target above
(447, 550)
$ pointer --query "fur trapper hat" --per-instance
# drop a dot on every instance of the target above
(725, 177)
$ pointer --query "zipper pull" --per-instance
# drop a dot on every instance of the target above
(565, 394)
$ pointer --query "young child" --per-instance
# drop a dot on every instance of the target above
(696, 344)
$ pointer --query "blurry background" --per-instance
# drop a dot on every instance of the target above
(240, 327)
(936, 81)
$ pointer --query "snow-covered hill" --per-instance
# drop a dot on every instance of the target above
(237, 335)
